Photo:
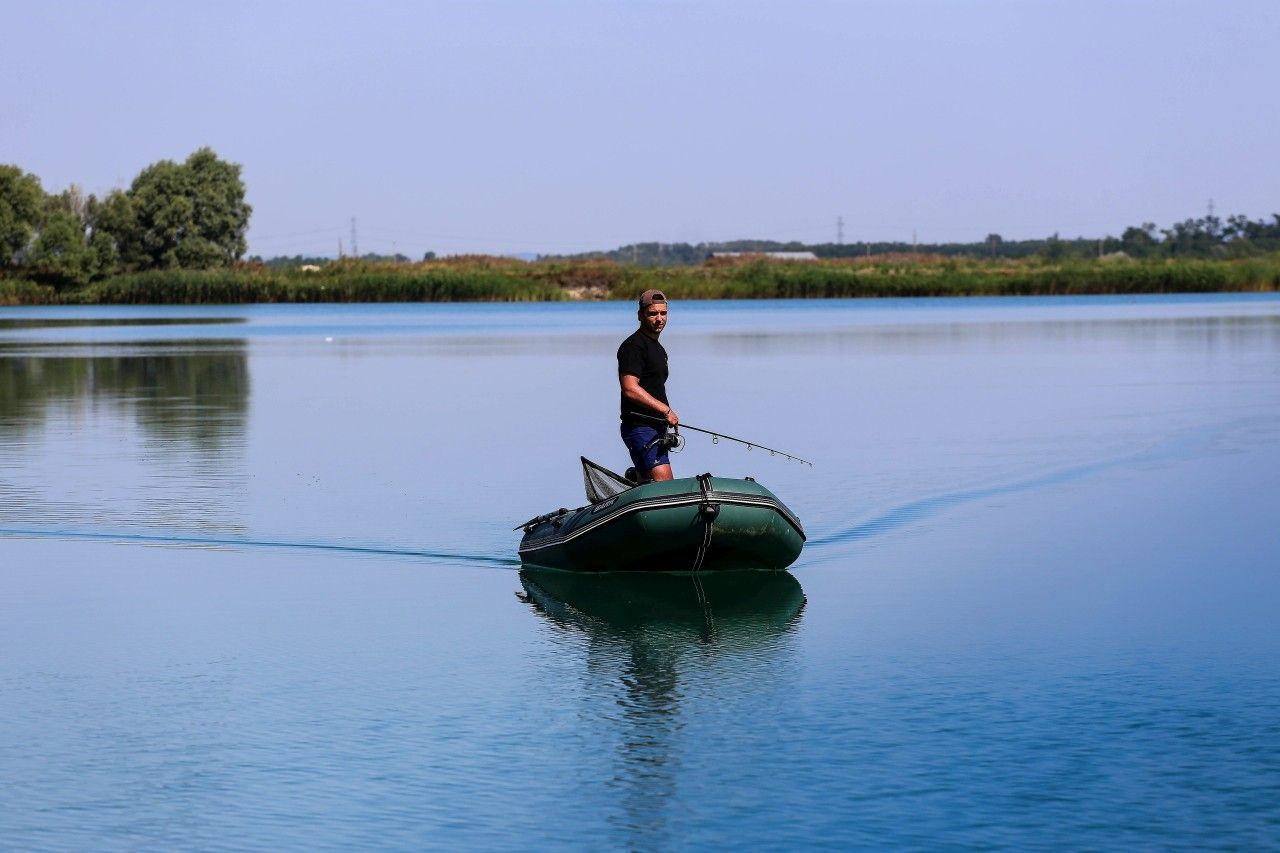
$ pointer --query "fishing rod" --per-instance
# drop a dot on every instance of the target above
(716, 436)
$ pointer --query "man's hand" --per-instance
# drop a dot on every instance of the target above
(672, 418)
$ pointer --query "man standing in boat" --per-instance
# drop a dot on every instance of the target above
(642, 373)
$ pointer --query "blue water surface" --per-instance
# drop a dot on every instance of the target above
(259, 588)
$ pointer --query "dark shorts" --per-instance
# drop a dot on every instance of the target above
(636, 437)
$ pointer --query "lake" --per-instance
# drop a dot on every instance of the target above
(259, 585)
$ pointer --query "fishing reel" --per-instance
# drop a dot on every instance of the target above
(670, 440)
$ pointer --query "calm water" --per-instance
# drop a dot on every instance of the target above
(258, 586)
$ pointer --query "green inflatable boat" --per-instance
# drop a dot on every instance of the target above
(702, 523)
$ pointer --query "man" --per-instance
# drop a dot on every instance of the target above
(642, 373)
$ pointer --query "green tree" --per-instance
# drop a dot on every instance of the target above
(1140, 242)
(190, 215)
(63, 251)
(21, 209)
(1193, 237)
(1247, 236)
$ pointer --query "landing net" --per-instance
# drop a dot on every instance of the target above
(601, 483)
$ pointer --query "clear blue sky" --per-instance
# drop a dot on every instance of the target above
(566, 126)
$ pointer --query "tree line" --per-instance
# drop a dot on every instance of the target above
(190, 215)
(291, 262)
(193, 216)
(1208, 237)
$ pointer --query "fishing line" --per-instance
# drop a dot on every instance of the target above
(716, 436)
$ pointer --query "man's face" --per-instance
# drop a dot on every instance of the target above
(654, 317)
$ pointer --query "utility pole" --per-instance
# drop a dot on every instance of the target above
(355, 247)
(839, 230)
(1211, 207)
(339, 248)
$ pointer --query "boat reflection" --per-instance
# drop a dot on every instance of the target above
(739, 609)
(653, 645)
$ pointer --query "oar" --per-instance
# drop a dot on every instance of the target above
(716, 436)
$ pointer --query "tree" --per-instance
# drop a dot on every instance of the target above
(61, 251)
(191, 215)
(1193, 237)
(1139, 242)
(21, 209)
(69, 249)
(1054, 248)
(993, 243)
(1246, 236)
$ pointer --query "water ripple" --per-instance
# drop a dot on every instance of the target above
(1181, 447)
(237, 542)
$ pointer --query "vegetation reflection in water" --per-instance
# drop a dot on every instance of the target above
(187, 405)
(195, 395)
(7, 323)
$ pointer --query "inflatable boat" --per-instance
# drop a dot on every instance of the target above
(702, 523)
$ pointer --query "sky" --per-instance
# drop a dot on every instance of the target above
(556, 127)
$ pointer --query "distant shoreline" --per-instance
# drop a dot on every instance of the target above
(480, 279)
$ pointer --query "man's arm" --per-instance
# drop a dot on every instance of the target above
(632, 392)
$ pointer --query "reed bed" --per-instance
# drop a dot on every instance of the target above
(932, 277)
(417, 283)
(17, 291)
(485, 279)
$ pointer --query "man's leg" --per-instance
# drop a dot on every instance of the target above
(658, 461)
(637, 439)
(649, 455)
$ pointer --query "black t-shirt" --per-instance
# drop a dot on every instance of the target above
(642, 356)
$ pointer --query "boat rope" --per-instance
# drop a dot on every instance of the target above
(704, 547)
(707, 511)
(716, 436)
(697, 581)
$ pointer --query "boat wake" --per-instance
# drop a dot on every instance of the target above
(244, 542)
(1185, 445)
(906, 514)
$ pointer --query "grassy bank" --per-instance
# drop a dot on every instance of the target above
(481, 279)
